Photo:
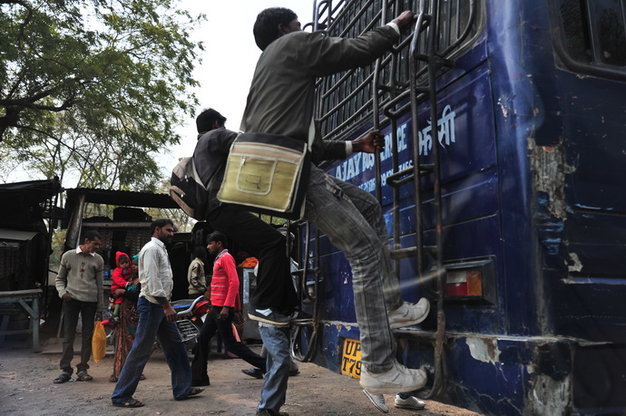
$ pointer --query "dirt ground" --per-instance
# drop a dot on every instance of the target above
(26, 388)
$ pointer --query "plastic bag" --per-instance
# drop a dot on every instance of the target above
(98, 342)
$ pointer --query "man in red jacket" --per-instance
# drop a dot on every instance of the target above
(224, 296)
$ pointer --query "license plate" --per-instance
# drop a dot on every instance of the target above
(351, 358)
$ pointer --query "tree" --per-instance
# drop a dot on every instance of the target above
(94, 87)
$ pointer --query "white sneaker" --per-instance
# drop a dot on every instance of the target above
(397, 378)
(409, 314)
(411, 403)
(378, 400)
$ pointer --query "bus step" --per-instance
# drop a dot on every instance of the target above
(298, 272)
(406, 175)
(409, 332)
(403, 253)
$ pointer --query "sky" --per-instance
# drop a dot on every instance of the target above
(225, 73)
(228, 61)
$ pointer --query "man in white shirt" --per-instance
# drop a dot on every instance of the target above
(156, 320)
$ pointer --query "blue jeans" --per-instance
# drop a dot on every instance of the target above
(352, 220)
(274, 390)
(152, 324)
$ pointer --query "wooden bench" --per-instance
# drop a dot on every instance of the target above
(29, 301)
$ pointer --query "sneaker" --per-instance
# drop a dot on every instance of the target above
(253, 372)
(270, 412)
(378, 400)
(412, 403)
(397, 378)
(268, 316)
(409, 314)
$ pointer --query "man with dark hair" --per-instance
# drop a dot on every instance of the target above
(208, 120)
(268, 25)
(274, 298)
(79, 284)
(252, 234)
(224, 295)
(281, 102)
(156, 320)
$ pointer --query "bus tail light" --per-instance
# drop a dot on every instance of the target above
(470, 280)
(464, 283)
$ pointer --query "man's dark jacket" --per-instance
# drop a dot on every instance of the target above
(282, 93)
(210, 160)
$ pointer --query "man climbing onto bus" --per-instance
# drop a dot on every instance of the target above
(280, 102)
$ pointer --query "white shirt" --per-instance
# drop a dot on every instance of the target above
(155, 271)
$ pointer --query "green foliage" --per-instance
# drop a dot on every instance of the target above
(94, 88)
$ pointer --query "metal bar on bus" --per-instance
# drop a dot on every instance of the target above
(416, 333)
(349, 120)
(466, 31)
(351, 22)
(353, 93)
(407, 175)
(405, 252)
(440, 275)
(393, 75)
(376, 111)
(414, 117)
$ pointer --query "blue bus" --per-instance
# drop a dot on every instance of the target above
(505, 125)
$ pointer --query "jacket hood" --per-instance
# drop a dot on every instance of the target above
(118, 255)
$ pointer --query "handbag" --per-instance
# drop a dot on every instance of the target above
(267, 173)
(98, 342)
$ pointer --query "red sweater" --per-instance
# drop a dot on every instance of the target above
(225, 281)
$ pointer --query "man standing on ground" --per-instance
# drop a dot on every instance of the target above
(224, 300)
(79, 284)
(156, 320)
(281, 102)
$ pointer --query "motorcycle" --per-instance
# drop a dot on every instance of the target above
(189, 314)
(189, 320)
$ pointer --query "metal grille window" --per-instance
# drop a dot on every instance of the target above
(592, 36)
(344, 100)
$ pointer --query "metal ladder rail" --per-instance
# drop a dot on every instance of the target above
(425, 22)
(435, 62)
(376, 115)
(302, 272)
(433, 67)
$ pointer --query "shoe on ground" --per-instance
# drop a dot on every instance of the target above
(253, 372)
(83, 376)
(411, 402)
(203, 382)
(270, 317)
(64, 377)
(270, 412)
(128, 403)
(194, 391)
(294, 372)
(397, 378)
(409, 314)
(378, 400)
